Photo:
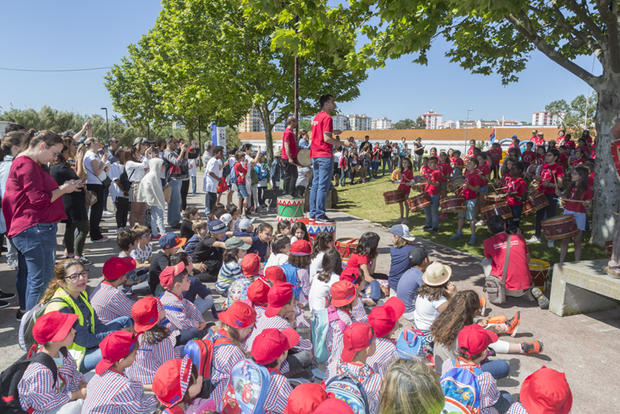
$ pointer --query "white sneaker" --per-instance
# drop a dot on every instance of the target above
(107, 213)
(479, 223)
(550, 244)
(534, 239)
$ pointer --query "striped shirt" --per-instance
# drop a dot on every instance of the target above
(334, 342)
(489, 394)
(358, 313)
(517, 408)
(370, 380)
(260, 312)
(385, 353)
(277, 322)
(149, 358)
(37, 390)
(114, 393)
(224, 359)
(279, 390)
(229, 272)
(181, 313)
(110, 303)
(140, 255)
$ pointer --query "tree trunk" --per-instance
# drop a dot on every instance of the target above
(264, 113)
(606, 182)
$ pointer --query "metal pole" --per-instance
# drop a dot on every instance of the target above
(107, 123)
(296, 87)
(199, 141)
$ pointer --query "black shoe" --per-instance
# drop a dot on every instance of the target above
(19, 314)
(323, 219)
(426, 228)
(435, 230)
(6, 296)
(4, 304)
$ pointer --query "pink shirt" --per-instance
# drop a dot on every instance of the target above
(321, 123)
(27, 199)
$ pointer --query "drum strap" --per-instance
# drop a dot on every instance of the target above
(506, 260)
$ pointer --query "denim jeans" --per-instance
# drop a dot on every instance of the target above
(193, 178)
(323, 170)
(496, 367)
(210, 199)
(432, 212)
(157, 221)
(504, 402)
(388, 162)
(36, 247)
(344, 174)
(93, 355)
(174, 206)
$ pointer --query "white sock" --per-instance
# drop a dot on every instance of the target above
(500, 347)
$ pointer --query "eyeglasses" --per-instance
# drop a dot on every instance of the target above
(76, 276)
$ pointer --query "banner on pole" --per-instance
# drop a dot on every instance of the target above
(218, 136)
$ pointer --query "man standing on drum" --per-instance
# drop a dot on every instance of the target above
(289, 157)
(321, 153)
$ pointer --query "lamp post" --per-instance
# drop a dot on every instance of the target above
(467, 130)
(107, 123)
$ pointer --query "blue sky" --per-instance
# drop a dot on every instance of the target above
(78, 34)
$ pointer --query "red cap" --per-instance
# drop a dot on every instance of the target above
(250, 264)
(166, 277)
(116, 267)
(115, 347)
(356, 337)
(333, 405)
(145, 314)
(258, 291)
(301, 248)
(279, 295)
(384, 318)
(53, 327)
(275, 274)
(546, 392)
(473, 339)
(238, 315)
(171, 381)
(271, 343)
(343, 292)
(305, 398)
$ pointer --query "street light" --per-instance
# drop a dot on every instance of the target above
(107, 124)
(467, 130)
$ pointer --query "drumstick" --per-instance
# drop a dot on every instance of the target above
(574, 201)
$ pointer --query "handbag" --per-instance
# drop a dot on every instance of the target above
(106, 182)
(91, 197)
(493, 287)
(167, 192)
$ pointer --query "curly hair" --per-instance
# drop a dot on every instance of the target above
(432, 292)
(460, 312)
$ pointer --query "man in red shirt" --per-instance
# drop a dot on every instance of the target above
(432, 188)
(515, 194)
(321, 153)
(289, 157)
(551, 176)
(470, 192)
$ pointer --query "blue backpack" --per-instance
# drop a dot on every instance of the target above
(320, 327)
(290, 272)
(350, 391)
(461, 389)
(247, 389)
(412, 344)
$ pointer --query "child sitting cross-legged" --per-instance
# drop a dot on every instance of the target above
(230, 271)
(177, 385)
(198, 293)
(544, 391)
(108, 301)
(331, 267)
(250, 267)
(384, 322)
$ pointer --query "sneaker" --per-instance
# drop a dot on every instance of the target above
(534, 239)
(550, 244)
(156, 237)
(456, 235)
(534, 347)
(323, 219)
(435, 230)
(426, 228)
(84, 260)
(472, 241)
(480, 223)
(102, 239)
(512, 324)
(543, 301)
(19, 314)
(6, 296)
(4, 304)
(107, 213)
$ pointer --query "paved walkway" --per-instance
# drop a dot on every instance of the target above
(583, 346)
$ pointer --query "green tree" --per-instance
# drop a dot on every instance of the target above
(576, 116)
(420, 123)
(406, 123)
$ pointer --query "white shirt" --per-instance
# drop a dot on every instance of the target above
(115, 172)
(319, 292)
(213, 166)
(91, 177)
(136, 170)
(248, 176)
(276, 260)
(302, 178)
(191, 163)
(316, 265)
(426, 312)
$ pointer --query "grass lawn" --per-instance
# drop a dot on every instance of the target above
(366, 201)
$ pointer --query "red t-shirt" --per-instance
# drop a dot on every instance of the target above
(496, 155)
(518, 274)
(27, 199)
(506, 179)
(321, 123)
(470, 152)
(578, 207)
(289, 137)
(570, 145)
(352, 271)
(458, 163)
(547, 174)
(515, 191)
(435, 177)
(405, 177)
(484, 171)
(474, 180)
(563, 160)
(240, 172)
(528, 157)
(445, 169)
(424, 170)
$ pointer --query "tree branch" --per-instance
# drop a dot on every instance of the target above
(581, 38)
(611, 21)
(582, 12)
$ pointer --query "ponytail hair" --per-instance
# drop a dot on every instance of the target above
(50, 138)
(60, 272)
(15, 138)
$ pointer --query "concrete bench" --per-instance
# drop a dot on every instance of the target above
(583, 287)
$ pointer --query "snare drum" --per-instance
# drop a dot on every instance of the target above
(560, 227)
(494, 198)
(536, 200)
(303, 157)
(452, 204)
(499, 209)
(456, 183)
(539, 269)
(291, 209)
(419, 202)
(346, 246)
(392, 197)
(314, 228)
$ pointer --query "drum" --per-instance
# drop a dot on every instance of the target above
(536, 200)
(494, 198)
(560, 227)
(315, 228)
(303, 157)
(419, 202)
(392, 197)
(539, 269)
(498, 209)
(452, 204)
(291, 209)
(346, 246)
(456, 183)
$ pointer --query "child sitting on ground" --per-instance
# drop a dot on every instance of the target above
(544, 391)
(280, 247)
(137, 279)
(199, 227)
(189, 216)
(361, 266)
(284, 228)
(299, 231)
(331, 267)
(198, 293)
(142, 250)
(250, 267)
(433, 296)
(322, 243)
(258, 292)
(207, 255)
(108, 301)
(344, 296)
(296, 269)
(384, 322)
(231, 269)
(176, 385)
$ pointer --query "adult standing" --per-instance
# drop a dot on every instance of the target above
(386, 156)
(289, 157)
(109, 152)
(303, 139)
(191, 153)
(136, 167)
(173, 161)
(403, 148)
(206, 156)
(96, 177)
(418, 153)
(213, 176)
(321, 152)
(32, 207)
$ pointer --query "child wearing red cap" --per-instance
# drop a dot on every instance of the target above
(305, 398)
(384, 322)
(176, 384)
(236, 325)
(39, 392)
(155, 343)
(111, 391)
(333, 405)
(257, 294)
(274, 274)
(183, 315)
(544, 392)
(358, 345)
(108, 301)
(270, 349)
(473, 341)
(344, 296)
(250, 266)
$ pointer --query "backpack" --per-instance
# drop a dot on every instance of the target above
(461, 389)
(347, 389)
(24, 336)
(412, 344)
(290, 272)
(10, 378)
(124, 183)
(247, 389)
(200, 351)
(320, 321)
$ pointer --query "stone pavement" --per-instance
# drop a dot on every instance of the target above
(583, 346)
